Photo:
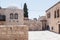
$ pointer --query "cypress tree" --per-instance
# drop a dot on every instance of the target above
(25, 10)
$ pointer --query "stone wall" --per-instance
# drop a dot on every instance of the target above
(8, 20)
(33, 25)
(13, 32)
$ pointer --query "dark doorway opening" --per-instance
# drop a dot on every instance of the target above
(2, 18)
(47, 28)
(15, 39)
(59, 28)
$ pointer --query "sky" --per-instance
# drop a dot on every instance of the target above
(36, 8)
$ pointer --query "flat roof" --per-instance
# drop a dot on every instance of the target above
(53, 6)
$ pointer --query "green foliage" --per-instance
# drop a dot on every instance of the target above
(25, 10)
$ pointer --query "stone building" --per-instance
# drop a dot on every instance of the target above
(12, 24)
(29, 23)
(42, 22)
(33, 25)
(53, 18)
(11, 16)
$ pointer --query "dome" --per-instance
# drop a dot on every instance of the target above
(12, 7)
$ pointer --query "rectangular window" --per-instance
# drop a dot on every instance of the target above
(54, 14)
(58, 13)
(48, 15)
(2, 18)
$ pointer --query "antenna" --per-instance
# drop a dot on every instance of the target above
(0, 4)
(21, 4)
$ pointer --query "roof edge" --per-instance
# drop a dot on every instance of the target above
(53, 6)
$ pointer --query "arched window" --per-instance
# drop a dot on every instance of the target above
(11, 16)
(54, 14)
(16, 15)
(58, 13)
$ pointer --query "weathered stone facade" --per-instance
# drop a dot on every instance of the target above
(53, 18)
(34, 25)
(12, 24)
(43, 22)
(13, 32)
(12, 16)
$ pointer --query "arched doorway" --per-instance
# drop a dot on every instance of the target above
(47, 28)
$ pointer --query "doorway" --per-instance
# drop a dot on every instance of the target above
(59, 28)
(47, 28)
